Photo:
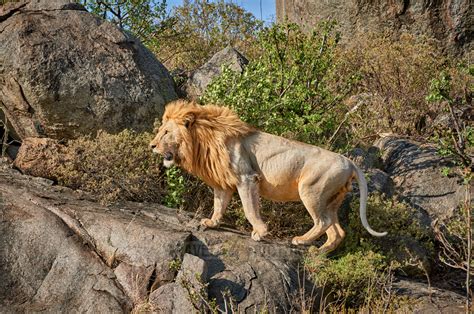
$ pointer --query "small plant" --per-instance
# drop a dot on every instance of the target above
(358, 272)
(456, 139)
(175, 187)
(175, 265)
(397, 219)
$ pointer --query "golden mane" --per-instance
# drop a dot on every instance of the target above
(204, 144)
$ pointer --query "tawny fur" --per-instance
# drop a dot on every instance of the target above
(229, 155)
(204, 147)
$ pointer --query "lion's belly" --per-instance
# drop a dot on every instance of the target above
(279, 192)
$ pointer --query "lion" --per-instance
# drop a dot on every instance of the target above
(229, 155)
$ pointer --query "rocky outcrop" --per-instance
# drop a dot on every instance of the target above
(415, 169)
(203, 76)
(62, 252)
(412, 172)
(451, 22)
(65, 72)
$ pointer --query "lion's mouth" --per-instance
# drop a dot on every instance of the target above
(168, 156)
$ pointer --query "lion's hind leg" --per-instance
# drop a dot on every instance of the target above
(335, 233)
(315, 203)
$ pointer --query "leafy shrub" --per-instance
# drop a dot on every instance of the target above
(352, 278)
(285, 91)
(395, 78)
(390, 215)
(408, 243)
(146, 19)
(359, 268)
(114, 167)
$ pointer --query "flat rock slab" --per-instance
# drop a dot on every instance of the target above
(61, 251)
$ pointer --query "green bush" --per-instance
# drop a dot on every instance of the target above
(353, 278)
(408, 243)
(361, 266)
(286, 91)
(148, 20)
(452, 90)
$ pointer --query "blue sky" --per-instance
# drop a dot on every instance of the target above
(268, 7)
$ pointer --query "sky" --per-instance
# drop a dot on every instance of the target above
(267, 13)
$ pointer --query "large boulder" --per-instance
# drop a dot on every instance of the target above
(65, 72)
(62, 252)
(449, 21)
(416, 172)
(203, 76)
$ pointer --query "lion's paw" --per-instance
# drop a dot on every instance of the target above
(209, 223)
(258, 235)
(298, 241)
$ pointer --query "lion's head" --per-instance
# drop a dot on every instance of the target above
(194, 137)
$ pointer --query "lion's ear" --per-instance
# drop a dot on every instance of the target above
(189, 120)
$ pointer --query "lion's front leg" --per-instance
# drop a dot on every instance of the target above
(249, 194)
(221, 200)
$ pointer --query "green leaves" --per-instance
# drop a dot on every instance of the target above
(440, 88)
(176, 187)
(145, 19)
(285, 91)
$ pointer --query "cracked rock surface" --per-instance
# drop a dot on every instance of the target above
(65, 72)
(62, 252)
(451, 22)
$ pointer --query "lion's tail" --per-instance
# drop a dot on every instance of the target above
(363, 202)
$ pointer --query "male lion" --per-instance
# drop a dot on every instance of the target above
(228, 154)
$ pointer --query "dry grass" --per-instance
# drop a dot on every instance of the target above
(393, 79)
(114, 167)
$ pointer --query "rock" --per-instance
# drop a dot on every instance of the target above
(45, 266)
(40, 157)
(451, 22)
(370, 163)
(252, 275)
(65, 72)
(429, 299)
(188, 293)
(62, 252)
(380, 181)
(193, 269)
(203, 76)
(367, 159)
(416, 173)
(433, 198)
